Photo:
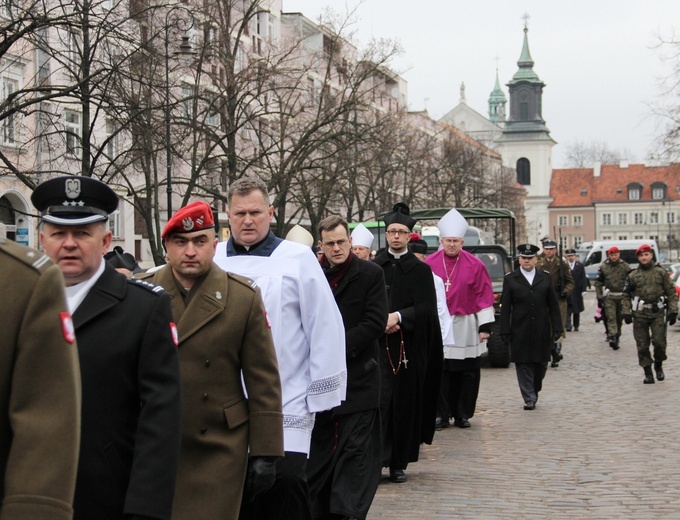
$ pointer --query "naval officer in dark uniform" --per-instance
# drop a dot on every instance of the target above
(131, 395)
(530, 322)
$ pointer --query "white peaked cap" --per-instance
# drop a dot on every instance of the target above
(362, 236)
(300, 235)
(452, 225)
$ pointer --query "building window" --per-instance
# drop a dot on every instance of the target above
(111, 140)
(606, 219)
(577, 220)
(188, 101)
(670, 217)
(563, 220)
(638, 237)
(654, 217)
(564, 242)
(578, 239)
(73, 52)
(9, 123)
(114, 224)
(639, 218)
(658, 190)
(72, 129)
(606, 237)
(212, 117)
(524, 171)
(584, 192)
(654, 237)
(623, 237)
(634, 192)
(623, 219)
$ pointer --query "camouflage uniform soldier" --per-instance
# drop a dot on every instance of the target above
(611, 278)
(648, 292)
(562, 281)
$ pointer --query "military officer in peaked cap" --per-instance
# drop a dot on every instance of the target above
(39, 389)
(530, 322)
(131, 410)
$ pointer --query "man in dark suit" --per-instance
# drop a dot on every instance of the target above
(530, 322)
(575, 299)
(344, 461)
(131, 409)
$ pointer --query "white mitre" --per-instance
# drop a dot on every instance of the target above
(361, 236)
(452, 225)
(300, 235)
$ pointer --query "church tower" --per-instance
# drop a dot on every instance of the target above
(526, 144)
(497, 101)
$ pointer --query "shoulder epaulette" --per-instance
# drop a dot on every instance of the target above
(243, 280)
(26, 255)
(157, 289)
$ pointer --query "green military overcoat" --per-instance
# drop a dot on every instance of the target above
(39, 389)
(223, 333)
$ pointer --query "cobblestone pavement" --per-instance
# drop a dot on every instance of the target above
(600, 444)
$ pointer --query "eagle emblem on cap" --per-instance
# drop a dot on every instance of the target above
(73, 188)
(188, 224)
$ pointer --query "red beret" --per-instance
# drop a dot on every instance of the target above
(644, 248)
(613, 249)
(194, 217)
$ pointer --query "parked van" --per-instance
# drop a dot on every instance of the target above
(598, 253)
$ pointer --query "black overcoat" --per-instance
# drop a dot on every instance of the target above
(362, 299)
(132, 408)
(575, 299)
(409, 398)
(529, 314)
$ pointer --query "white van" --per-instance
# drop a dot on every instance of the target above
(598, 253)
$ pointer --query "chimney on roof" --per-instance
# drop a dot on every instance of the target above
(597, 168)
(624, 163)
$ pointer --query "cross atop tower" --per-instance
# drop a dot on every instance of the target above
(526, 17)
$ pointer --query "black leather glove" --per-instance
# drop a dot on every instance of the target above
(627, 318)
(672, 318)
(505, 338)
(557, 336)
(261, 475)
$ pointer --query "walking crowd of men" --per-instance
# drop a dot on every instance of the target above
(252, 379)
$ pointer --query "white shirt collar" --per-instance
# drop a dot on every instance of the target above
(75, 294)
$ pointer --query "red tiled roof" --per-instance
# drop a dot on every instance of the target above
(567, 185)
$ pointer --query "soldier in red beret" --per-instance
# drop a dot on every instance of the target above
(223, 334)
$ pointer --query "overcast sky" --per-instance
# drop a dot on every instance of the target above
(596, 57)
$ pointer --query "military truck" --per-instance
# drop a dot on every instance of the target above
(497, 261)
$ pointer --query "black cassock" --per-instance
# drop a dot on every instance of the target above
(408, 400)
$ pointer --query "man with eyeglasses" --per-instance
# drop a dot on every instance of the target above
(411, 360)
(344, 460)
(469, 298)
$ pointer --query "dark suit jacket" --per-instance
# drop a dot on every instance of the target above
(575, 299)
(131, 415)
(362, 300)
(529, 315)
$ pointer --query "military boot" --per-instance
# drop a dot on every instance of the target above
(649, 377)
(613, 342)
(659, 371)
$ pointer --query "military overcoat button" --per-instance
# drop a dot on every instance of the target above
(205, 397)
(207, 362)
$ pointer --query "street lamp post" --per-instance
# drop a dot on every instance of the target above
(184, 49)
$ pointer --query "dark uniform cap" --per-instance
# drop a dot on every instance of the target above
(74, 200)
(570, 252)
(527, 250)
(418, 246)
(400, 215)
(549, 244)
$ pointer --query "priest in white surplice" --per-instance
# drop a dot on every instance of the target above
(469, 296)
(309, 338)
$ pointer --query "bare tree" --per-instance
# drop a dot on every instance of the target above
(581, 154)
